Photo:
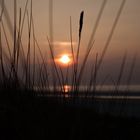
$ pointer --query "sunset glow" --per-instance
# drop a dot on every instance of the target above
(65, 59)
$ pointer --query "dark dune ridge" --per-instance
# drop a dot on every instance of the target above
(26, 116)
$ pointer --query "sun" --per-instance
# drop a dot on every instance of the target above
(65, 59)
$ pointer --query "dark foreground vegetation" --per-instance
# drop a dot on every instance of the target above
(26, 116)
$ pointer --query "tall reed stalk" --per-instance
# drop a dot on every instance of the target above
(111, 33)
(131, 71)
(78, 49)
(35, 70)
(121, 71)
(28, 74)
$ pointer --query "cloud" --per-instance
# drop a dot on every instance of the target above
(63, 43)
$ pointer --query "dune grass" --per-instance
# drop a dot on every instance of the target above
(32, 85)
(27, 70)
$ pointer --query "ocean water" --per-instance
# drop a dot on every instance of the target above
(125, 102)
(104, 88)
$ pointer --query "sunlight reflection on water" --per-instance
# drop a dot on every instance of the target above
(68, 88)
(133, 88)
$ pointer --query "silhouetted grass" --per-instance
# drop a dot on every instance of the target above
(111, 32)
(32, 76)
(30, 72)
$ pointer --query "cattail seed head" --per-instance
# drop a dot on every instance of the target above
(81, 23)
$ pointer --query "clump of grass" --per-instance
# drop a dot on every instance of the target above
(36, 70)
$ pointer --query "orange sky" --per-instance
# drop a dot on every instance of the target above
(125, 37)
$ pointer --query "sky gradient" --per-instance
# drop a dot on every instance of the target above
(125, 37)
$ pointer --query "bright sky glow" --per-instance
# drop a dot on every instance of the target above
(65, 59)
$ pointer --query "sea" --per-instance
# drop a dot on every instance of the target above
(124, 102)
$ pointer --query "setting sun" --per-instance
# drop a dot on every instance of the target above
(65, 59)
